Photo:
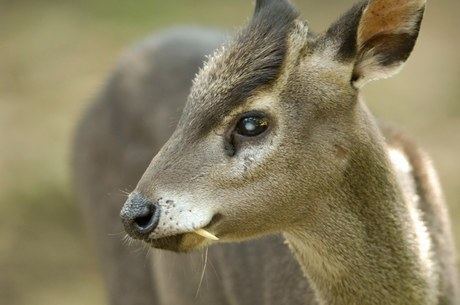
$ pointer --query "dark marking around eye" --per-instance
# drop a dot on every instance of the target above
(229, 146)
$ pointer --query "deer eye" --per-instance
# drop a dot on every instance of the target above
(252, 125)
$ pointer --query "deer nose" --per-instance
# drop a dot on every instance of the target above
(140, 216)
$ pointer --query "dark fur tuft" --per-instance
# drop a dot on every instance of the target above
(265, 40)
(344, 31)
(281, 8)
(253, 60)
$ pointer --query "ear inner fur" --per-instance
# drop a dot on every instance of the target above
(389, 17)
(377, 36)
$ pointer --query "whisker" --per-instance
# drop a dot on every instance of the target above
(126, 193)
(214, 269)
(202, 272)
(127, 240)
(124, 240)
(148, 252)
(116, 234)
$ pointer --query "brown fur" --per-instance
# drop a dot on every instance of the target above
(323, 174)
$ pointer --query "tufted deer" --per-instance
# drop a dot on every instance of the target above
(275, 138)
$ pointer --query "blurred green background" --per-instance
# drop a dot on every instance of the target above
(55, 55)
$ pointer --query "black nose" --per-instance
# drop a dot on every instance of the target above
(140, 216)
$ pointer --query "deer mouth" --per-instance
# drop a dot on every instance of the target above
(187, 241)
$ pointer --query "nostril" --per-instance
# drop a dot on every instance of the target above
(146, 221)
(140, 216)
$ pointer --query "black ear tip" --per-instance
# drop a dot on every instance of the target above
(271, 4)
(264, 3)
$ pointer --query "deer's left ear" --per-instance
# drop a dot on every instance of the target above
(378, 36)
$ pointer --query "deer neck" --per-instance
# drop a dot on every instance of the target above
(362, 247)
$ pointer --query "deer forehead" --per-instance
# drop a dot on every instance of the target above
(257, 61)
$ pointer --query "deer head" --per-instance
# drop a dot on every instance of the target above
(271, 125)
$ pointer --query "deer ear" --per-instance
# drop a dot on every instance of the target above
(275, 11)
(378, 36)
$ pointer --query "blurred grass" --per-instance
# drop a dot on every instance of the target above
(54, 55)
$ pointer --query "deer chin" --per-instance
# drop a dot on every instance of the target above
(183, 243)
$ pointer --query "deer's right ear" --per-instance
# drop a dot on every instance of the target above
(377, 36)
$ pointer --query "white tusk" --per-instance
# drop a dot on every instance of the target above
(206, 234)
